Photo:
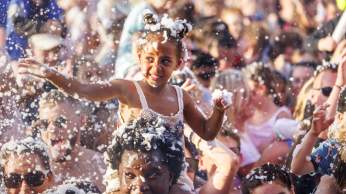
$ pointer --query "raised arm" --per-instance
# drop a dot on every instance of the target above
(206, 128)
(91, 91)
(339, 83)
(300, 163)
(225, 161)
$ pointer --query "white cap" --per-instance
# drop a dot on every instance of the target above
(45, 41)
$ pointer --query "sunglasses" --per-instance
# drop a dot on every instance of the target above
(326, 91)
(33, 179)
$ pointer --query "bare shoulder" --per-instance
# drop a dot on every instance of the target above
(126, 87)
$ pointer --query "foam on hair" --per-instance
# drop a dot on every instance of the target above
(326, 65)
(144, 136)
(171, 29)
(26, 145)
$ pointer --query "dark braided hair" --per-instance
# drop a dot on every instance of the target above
(162, 138)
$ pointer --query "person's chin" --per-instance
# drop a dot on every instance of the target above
(154, 82)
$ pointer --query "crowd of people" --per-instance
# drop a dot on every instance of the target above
(172, 96)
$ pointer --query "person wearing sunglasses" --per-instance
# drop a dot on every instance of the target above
(25, 166)
(61, 120)
(324, 80)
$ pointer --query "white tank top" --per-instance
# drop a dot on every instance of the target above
(264, 134)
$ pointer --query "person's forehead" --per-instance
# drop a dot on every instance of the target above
(160, 48)
(270, 188)
(23, 163)
(132, 159)
(49, 112)
(325, 79)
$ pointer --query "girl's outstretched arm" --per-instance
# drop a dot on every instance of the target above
(206, 128)
(91, 91)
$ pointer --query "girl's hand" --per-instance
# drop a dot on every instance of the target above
(222, 99)
(221, 104)
(319, 120)
(32, 67)
(188, 86)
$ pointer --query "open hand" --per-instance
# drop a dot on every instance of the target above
(222, 99)
(319, 120)
(188, 85)
(32, 67)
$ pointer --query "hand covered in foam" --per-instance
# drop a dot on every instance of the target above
(222, 99)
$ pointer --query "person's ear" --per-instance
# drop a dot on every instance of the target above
(261, 89)
(180, 63)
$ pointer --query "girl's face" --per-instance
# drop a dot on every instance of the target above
(144, 173)
(158, 61)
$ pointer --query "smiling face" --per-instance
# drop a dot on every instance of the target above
(62, 132)
(144, 173)
(158, 61)
(24, 165)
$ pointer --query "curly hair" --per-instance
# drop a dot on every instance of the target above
(262, 74)
(146, 136)
(28, 145)
(165, 29)
(266, 174)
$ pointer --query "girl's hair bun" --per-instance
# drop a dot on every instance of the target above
(172, 29)
(149, 18)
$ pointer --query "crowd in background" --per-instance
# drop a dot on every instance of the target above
(74, 74)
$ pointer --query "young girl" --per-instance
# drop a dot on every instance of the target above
(159, 52)
(262, 125)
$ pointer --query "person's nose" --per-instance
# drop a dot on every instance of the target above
(25, 189)
(141, 185)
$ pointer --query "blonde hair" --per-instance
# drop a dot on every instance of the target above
(301, 102)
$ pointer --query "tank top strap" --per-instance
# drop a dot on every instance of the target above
(180, 97)
(141, 96)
